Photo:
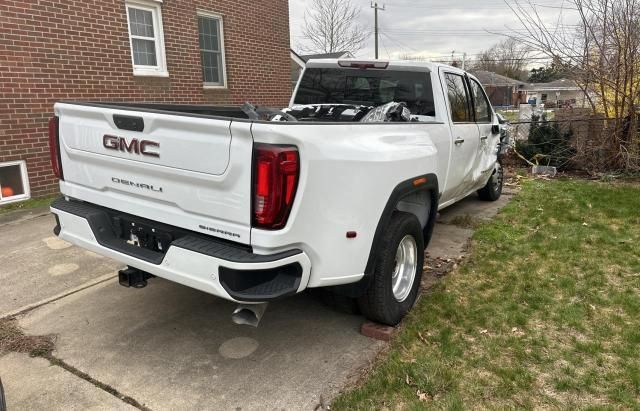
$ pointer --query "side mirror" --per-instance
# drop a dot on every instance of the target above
(495, 129)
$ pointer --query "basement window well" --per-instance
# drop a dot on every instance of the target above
(14, 182)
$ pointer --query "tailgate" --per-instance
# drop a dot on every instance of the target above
(189, 171)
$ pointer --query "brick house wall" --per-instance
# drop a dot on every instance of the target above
(72, 49)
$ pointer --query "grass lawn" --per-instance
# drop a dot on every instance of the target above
(545, 313)
(27, 204)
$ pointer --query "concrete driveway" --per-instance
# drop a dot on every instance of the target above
(170, 347)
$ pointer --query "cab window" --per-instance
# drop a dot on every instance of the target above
(458, 98)
(481, 104)
(367, 87)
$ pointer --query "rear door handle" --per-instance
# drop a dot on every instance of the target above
(459, 141)
(483, 138)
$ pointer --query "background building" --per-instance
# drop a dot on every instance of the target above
(561, 93)
(502, 91)
(177, 51)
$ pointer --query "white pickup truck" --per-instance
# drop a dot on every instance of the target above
(340, 190)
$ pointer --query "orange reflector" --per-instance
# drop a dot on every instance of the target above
(419, 181)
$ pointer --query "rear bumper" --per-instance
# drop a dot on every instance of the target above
(214, 266)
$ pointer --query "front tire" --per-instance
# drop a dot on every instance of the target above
(397, 272)
(493, 189)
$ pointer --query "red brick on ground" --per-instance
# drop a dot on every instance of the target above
(377, 331)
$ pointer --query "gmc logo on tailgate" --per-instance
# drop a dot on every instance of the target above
(143, 147)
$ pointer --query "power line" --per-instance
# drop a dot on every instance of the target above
(398, 42)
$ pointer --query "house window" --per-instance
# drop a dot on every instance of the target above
(212, 50)
(14, 183)
(146, 38)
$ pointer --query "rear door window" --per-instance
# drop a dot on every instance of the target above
(459, 103)
(367, 87)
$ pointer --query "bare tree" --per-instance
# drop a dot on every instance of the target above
(602, 53)
(508, 58)
(332, 26)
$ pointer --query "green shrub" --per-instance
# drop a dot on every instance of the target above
(548, 143)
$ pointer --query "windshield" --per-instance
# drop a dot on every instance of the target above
(367, 87)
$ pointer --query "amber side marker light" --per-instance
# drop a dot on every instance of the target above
(419, 181)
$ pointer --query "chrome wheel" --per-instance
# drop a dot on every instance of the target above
(497, 177)
(404, 272)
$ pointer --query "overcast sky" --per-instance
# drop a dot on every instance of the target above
(434, 28)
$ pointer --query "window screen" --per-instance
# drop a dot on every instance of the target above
(482, 105)
(211, 50)
(458, 98)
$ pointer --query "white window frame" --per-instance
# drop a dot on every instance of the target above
(155, 7)
(25, 182)
(220, 18)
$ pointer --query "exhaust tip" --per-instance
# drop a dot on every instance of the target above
(248, 314)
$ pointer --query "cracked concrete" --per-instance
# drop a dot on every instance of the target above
(168, 339)
(33, 384)
(171, 347)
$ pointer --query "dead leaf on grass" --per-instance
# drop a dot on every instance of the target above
(422, 396)
(407, 380)
(517, 331)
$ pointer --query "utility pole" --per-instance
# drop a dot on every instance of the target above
(464, 59)
(376, 8)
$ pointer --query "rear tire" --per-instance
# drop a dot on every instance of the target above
(397, 272)
(493, 189)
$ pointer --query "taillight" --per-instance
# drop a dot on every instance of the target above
(275, 179)
(54, 146)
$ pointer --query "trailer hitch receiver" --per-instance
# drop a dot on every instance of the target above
(132, 277)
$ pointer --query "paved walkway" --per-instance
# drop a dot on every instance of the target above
(171, 347)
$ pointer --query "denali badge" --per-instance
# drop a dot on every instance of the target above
(143, 147)
(138, 185)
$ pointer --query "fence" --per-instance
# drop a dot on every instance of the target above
(588, 143)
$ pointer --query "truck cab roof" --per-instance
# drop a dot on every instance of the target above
(401, 65)
(388, 64)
